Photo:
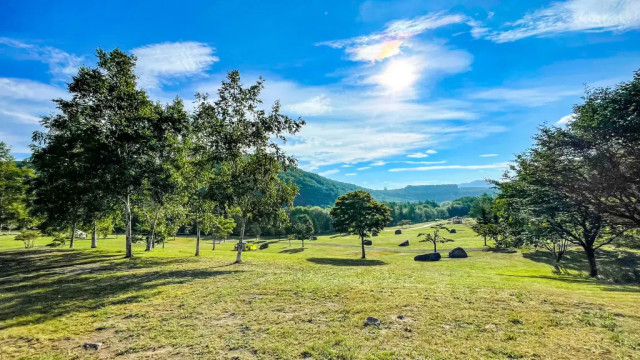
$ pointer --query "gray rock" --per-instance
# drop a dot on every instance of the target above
(374, 234)
(457, 253)
(264, 246)
(314, 238)
(401, 316)
(452, 231)
(405, 243)
(372, 321)
(367, 242)
(428, 257)
(398, 232)
(91, 346)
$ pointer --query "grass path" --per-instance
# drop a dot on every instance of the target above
(292, 303)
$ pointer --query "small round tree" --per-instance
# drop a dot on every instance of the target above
(359, 214)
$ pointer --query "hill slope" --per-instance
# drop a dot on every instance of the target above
(319, 191)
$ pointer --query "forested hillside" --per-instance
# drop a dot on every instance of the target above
(317, 190)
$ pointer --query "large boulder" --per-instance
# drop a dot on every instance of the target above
(314, 238)
(452, 231)
(264, 246)
(372, 321)
(368, 242)
(398, 232)
(404, 243)
(428, 257)
(457, 253)
(374, 234)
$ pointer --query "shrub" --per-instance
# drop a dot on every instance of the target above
(28, 237)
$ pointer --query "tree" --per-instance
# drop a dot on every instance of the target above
(108, 134)
(598, 154)
(529, 195)
(256, 191)
(28, 237)
(303, 228)
(359, 214)
(235, 137)
(435, 237)
(14, 197)
(220, 227)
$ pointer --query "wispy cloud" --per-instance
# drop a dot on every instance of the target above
(363, 168)
(503, 165)
(317, 105)
(529, 97)
(396, 35)
(378, 163)
(62, 65)
(488, 155)
(351, 174)
(329, 172)
(569, 16)
(161, 63)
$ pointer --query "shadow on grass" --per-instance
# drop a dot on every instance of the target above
(500, 250)
(292, 251)
(37, 291)
(584, 281)
(346, 262)
(614, 265)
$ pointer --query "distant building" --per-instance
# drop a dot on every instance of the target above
(456, 220)
(81, 234)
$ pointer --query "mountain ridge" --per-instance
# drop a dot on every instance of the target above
(317, 190)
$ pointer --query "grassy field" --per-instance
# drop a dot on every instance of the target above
(291, 303)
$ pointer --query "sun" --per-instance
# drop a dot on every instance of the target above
(398, 76)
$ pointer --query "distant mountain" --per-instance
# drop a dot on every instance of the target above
(476, 183)
(317, 190)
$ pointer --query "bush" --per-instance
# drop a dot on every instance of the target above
(59, 239)
(28, 237)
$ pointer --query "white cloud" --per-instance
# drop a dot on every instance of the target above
(24, 101)
(363, 168)
(317, 105)
(351, 174)
(418, 155)
(395, 36)
(160, 63)
(567, 119)
(571, 16)
(378, 163)
(329, 172)
(346, 166)
(431, 151)
(503, 165)
(488, 155)
(18, 144)
(23, 89)
(422, 162)
(20, 117)
(62, 65)
(530, 97)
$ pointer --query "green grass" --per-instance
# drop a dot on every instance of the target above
(288, 303)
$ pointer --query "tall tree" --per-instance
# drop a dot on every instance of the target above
(303, 228)
(108, 134)
(599, 153)
(359, 214)
(13, 190)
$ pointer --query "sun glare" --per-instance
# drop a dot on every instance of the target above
(398, 76)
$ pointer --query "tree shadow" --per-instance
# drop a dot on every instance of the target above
(614, 265)
(292, 251)
(37, 290)
(346, 262)
(500, 250)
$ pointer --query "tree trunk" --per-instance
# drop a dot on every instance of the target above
(241, 241)
(94, 236)
(303, 243)
(129, 235)
(485, 240)
(198, 240)
(213, 240)
(73, 235)
(434, 247)
(591, 256)
(362, 244)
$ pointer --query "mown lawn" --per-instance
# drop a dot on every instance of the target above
(289, 303)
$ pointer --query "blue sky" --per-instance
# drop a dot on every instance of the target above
(394, 92)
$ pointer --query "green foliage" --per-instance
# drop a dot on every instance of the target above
(28, 237)
(303, 228)
(434, 237)
(14, 199)
(359, 214)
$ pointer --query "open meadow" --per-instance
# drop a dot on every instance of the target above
(286, 302)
